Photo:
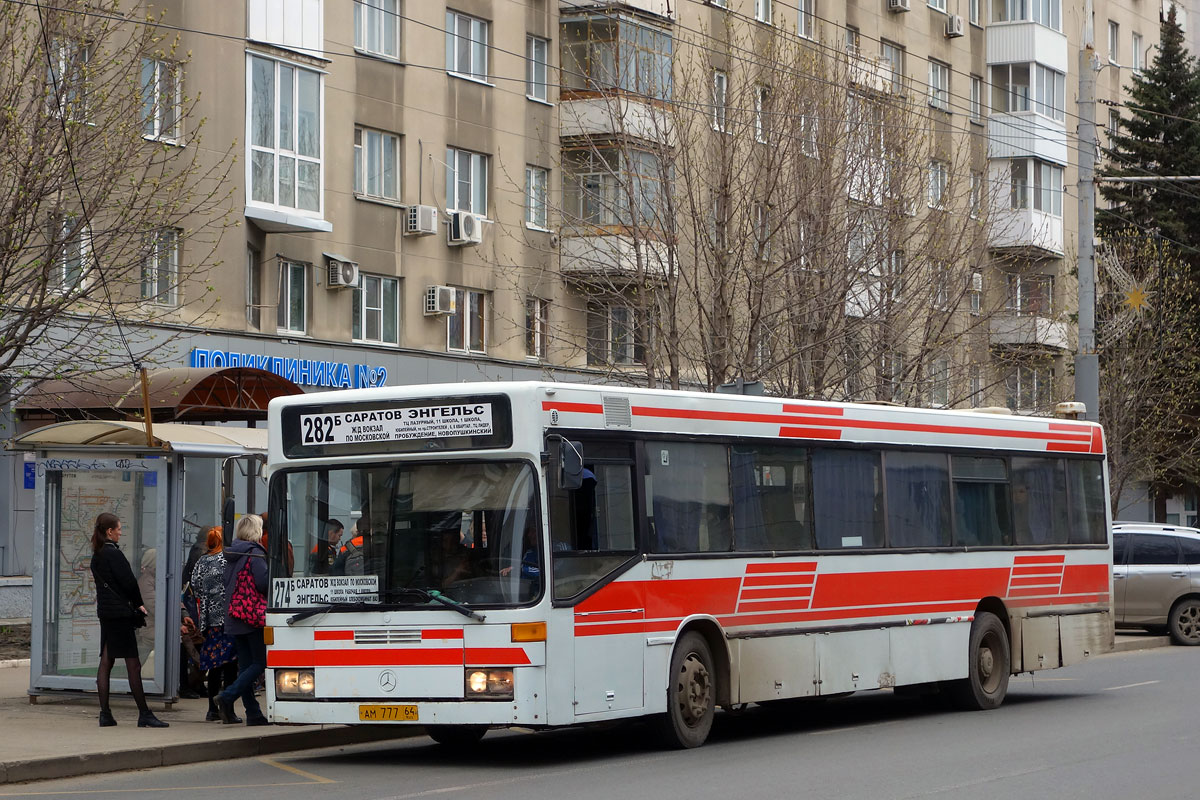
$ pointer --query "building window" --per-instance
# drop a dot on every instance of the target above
(253, 289)
(466, 45)
(1114, 124)
(536, 180)
(975, 379)
(1137, 55)
(720, 87)
(1030, 295)
(1046, 12)
(66, 79)
(285, 123)
(975, 293)
(941, 286)
(537, 327)
(809, 140)
(976, 99)
(762, 230)
(376, 164)
(1047, 180)
(939, 381)
(892, 54)
(939, 85)
(616, 334)
(973, 12)
(466, 181)
(465, 330)
(853, 41)
(536, 67)
(762, 96)
(1114, 42)
(938, 5)
(1029, 387)
(292, 316)
(376, 315)
(377, 27)
(975, 201)
(161, 100)
(1049, 92)
(895, 274)
(160, 274)
(612, 186)
(1043, 12)
(616, 53)
(805, 18)
(939, 177)
(72, 264)
(763, 10)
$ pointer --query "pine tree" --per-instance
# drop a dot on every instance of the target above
(1158, 134)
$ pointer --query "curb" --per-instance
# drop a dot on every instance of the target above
(1128, 644)
(15, 662)
(41, 769)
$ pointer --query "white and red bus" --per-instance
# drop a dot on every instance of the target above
(539, 554)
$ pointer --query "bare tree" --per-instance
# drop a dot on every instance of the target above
(110, 211)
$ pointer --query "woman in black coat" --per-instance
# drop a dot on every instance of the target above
(118, 605)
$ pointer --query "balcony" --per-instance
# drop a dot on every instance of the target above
(1025, 134)
(660, 8)
(612, 256)
(1016, 42)
(1026, 231)
(614, 115)
(1013, 330)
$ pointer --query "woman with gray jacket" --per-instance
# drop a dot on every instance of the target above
(251, 649)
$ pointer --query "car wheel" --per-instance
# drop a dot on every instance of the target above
(457, 736)
(691, 693)
(1185, 621)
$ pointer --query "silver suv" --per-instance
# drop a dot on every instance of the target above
(1156, 579)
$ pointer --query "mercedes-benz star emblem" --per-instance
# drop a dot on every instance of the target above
(387, 680)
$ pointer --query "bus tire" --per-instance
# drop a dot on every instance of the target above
(1185, 621)
(691, 693)
(456, 735)
(989, 662)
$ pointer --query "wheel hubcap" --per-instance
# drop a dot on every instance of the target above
(1189, 622)
(695, 690)
(988, 670)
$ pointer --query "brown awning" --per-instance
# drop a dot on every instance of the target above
(180, 394)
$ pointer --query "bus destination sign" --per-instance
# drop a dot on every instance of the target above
(396, 424)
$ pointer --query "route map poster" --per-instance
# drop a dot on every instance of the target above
(84, 494)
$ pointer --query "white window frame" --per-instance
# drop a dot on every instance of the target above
(478, 37)
(1137, 56)
(537, 68)
(476, 182)
(894, 55)
(809, 130)
(764, 11)
(806, 18)
(762, 230)
(161, 90)
(1033, 382)
(937, 5)
(620, 354)
(939, 381)
(1020, 288)
(253, 288)
(762, 96)
(1114, 42)
(975, 296)
(66, 84)
(977, 99)
(362, 311)
(277, 154)
(377, 28)
(470, 312)
(293, 278)
(939, 182)
(939, 85)
(537, 328)
(973, 12)
(72, 268)
(537, 187)
(720, 100)
(160, 272)
(370, 180)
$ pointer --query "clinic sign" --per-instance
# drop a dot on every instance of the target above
(300, 371)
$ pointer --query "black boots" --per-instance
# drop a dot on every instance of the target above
(146, 719)
(106, 718)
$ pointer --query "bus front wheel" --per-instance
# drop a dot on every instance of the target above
(990, 658)
(691, 693)
(456, 735)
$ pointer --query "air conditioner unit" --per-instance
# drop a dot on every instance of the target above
(439, 300)
(955, 26)
(421, 221)
(465, 228)
(342, 273)
(896, 6)
(977, 281)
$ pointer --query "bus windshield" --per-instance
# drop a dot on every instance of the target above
(466, 530)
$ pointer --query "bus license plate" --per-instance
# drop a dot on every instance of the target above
(387, 713)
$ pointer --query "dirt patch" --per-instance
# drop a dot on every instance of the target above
(14, 641)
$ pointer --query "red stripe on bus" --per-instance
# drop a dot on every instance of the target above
(755, 606)
(442, 633)
(333, 636)
(1065, 447)
(1050, 559)
(777, 566)
(1084, 578)
(1070, 427)
(776, 592)
(779, 580)
(716, 416)
(577, 408)
(496, 656)
(367, 657)
(845, 590)
(1097, 440)
(1038, 580)
(797, 409)
(809, 433)
(1037, 572)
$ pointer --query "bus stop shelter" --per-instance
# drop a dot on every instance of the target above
(166, 491)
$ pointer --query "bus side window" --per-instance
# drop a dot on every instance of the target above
(981, 501)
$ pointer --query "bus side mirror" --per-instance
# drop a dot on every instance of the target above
(227, 519)
(570, 460)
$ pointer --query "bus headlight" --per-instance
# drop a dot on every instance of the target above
(490, 684)
(295, 683)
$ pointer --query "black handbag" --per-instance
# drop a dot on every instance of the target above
(139, 616)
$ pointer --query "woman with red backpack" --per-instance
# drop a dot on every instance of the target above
(246, 593)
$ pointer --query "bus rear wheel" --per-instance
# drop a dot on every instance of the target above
(990, 660)
(456, 735)
(691, 693)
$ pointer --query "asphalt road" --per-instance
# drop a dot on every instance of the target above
(1121, 726)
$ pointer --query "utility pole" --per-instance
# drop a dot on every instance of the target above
(1087, 362)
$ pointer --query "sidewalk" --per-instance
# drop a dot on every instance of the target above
(59, 737)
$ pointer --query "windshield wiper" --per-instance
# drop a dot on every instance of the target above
(312, 612)
(434, 596)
